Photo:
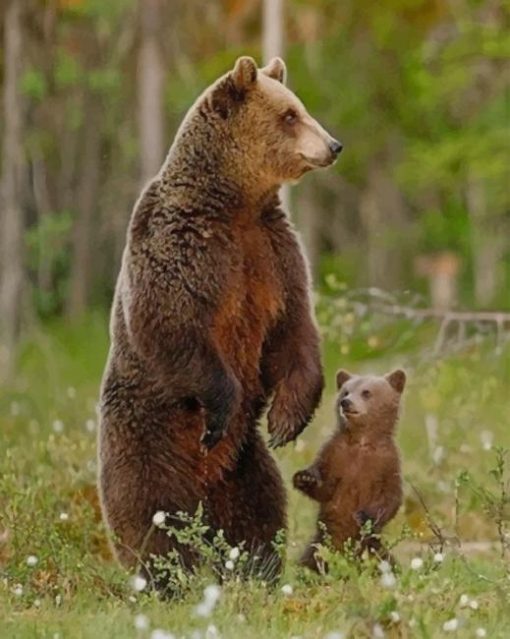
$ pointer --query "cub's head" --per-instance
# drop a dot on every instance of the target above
(366, 401)
(265, 126)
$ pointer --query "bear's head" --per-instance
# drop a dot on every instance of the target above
(260, 128)
(367, 402)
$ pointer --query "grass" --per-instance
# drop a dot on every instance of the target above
(455, 418)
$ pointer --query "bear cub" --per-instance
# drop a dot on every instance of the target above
(356, 476)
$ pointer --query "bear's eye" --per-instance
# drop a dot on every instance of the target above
(366, 394)
(290, 116)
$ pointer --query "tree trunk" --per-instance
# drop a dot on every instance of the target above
(487, 245)
(382, 214)
(151, 75)
(87, 202)
(273, 46)
(11, 210)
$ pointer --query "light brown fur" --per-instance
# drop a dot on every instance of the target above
(211, 322)
(356, 477)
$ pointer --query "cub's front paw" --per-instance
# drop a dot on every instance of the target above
(305, 480)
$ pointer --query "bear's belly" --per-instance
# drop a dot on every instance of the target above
(252, 303)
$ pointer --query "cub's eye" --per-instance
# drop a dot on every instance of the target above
(290, 117)
(366, 394)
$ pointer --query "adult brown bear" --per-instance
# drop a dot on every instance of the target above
(211, 319)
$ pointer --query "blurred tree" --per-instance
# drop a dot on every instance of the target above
(12, 185)
(151, 75)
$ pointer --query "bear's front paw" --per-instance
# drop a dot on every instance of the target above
(284, 424)
(305, 479)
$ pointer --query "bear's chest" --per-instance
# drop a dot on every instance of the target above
(252, 301)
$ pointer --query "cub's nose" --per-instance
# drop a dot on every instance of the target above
(345, 403)
(335, 147)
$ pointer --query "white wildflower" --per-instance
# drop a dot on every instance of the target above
(229, 564)
(32, 561)
(378, 632)
(234, 553)
(159, 518)
(388, 580)
(439, 557)
(395, 616)
(212, 632)
(141, 622)
(58, 426)
(63, 517)
(18, 590)
(138, 583)
(451, 625)
(90, 425)
(287, 590)
(384, 566)
(463, 601)
(335, 635)
(416, 563)
(486, 439)
(212, 593)
(481, 632)
(58, 600)
(473, 604)
(161, 634)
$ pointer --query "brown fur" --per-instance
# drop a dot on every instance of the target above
(356, 476)
(212, 318)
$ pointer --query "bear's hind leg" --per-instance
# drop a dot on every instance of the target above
(249, 504)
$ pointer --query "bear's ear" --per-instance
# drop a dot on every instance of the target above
(342, 376)
(397, 380)
(244, 74)
(276, 69)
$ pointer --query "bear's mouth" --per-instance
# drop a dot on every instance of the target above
(317, 163)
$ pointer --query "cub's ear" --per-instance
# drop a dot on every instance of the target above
(397, 380)
(342, 376)
(276, 69)
(244, 74)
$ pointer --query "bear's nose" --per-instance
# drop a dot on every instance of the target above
(335, 147)
(345, 403)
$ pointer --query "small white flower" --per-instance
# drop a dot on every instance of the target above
(287, 590)
(335, 635)
(90, 425)
(37, 603)
(439, 557)
(486, 439)
(451, 625)
(161, 634)
(481, 632)
(58, 426)
(241, 618)
(159, 518)
(18, 590)
(437, 455)
(473, 604)
(32, 561)
(63, 517)
(229, 564)
(388, 580)
(378, 632)
(212, 593)
(384, 566)
(394, 616)
(416, 563)
(212, 632)
(58, 600)
(141, 622)
(463, 601)
(234, 553)
(138, 583)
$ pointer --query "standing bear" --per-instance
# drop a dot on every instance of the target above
(211, 322)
